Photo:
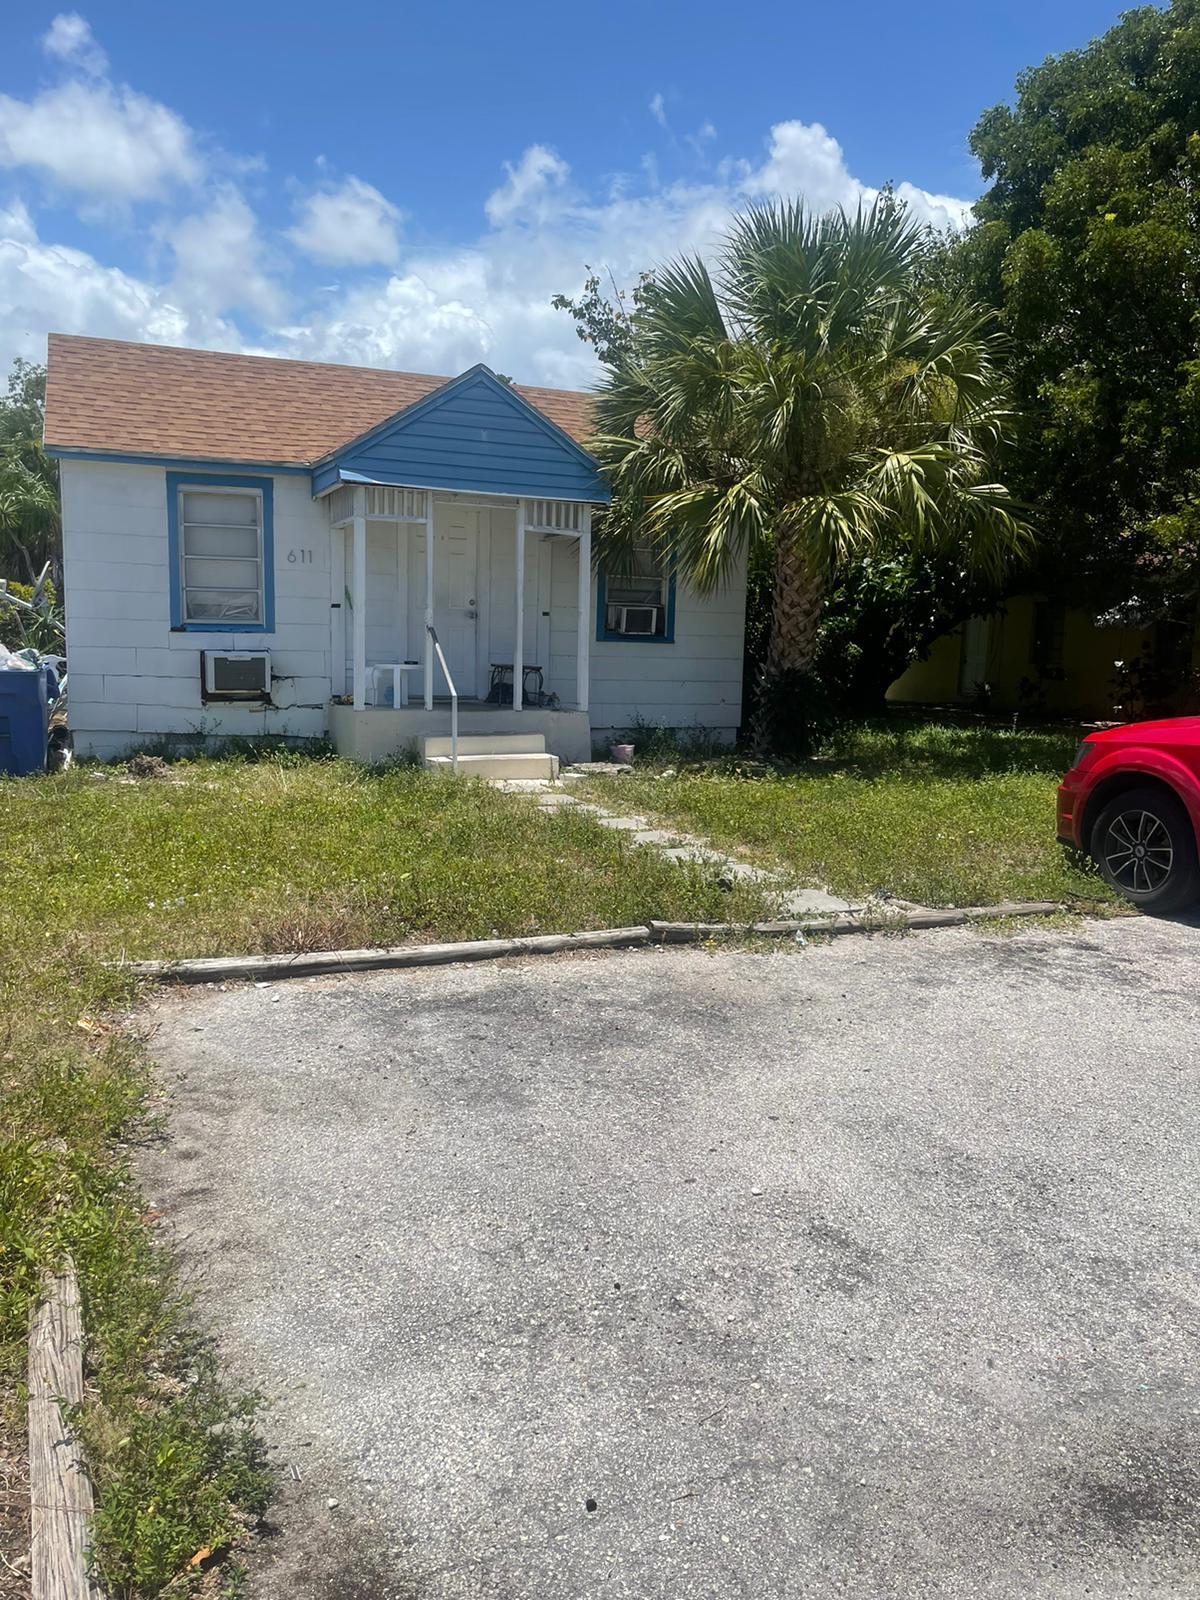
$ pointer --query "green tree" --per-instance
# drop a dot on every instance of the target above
(30, 530)
(1088, 241)
(811, 403)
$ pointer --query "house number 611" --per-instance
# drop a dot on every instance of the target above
(304, 557)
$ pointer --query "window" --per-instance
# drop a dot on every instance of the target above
(220, 530)
(637, 599)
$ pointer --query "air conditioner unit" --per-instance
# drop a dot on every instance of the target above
(637, 620)
(237, 674)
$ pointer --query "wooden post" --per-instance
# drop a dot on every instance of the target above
(428, 599)
(337, 611)
(583, 639)
(518, 660)
(60, 1490)
(360, 599)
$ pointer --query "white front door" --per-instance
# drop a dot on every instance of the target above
(455, 593)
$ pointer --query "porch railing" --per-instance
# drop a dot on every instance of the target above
(437, 650)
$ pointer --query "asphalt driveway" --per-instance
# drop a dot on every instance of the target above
(865, 1270)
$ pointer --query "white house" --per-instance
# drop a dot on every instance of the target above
(256, 546)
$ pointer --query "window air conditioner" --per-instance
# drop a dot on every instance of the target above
(635, 619)
(237, 674)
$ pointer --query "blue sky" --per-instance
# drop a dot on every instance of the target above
(407, 186)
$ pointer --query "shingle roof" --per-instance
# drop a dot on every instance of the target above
(202, 405)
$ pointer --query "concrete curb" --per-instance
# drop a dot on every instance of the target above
(320, 963)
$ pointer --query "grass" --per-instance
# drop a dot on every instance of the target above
(220, 857)
(945, 816)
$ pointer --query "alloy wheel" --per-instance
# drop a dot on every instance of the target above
(1137, 852)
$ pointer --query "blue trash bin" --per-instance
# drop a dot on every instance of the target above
(24, 721)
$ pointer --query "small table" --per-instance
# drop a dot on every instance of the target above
(502, 672)
(399, 671)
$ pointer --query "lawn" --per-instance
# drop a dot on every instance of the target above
(220, 857)
(945, 816)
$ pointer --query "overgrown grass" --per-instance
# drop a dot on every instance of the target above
(941, 815)
(221, 857)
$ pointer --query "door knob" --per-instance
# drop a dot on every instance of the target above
(472, 614)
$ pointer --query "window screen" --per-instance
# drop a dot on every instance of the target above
(221, 552)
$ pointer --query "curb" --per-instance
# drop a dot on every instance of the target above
(60, 1491)
(320, 963)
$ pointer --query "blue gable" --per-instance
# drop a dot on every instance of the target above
(474, 433)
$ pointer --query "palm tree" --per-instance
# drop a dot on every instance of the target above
(812, 401)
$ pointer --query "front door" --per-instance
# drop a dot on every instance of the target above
(455, 593)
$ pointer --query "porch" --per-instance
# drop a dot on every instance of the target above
(443, 600)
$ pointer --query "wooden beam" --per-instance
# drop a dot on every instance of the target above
(583, 641)
(337, 608)
(360, 598)
(428, 599)
(518, 660)
(60, 1490)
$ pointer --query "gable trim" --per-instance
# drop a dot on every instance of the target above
(435, 399)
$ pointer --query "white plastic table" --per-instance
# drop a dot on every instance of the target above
(399, 671)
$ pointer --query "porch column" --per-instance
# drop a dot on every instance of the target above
(583, 650)
(428, 657)
(337, 608)
(360, 598)
(518, 660)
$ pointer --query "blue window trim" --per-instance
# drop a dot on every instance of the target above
(604, 632)
(220, 480)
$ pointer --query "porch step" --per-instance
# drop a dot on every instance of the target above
(486, 744)
(496, 763)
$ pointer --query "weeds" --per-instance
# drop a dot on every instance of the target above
(268, 852)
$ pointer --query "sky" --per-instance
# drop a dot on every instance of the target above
(407, 187)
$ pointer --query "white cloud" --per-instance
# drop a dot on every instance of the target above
(658, 110)
(218, 261)
(109, 143)
(805, 160)
(51, 287)
(352, 225)
(69, 38)
(436, 309)
(527, 191)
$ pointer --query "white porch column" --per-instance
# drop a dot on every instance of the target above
(337, 608)
(518, 660)
(428, 657)
(583, 654)
(360, 598)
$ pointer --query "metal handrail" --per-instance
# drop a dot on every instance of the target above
(432, 632)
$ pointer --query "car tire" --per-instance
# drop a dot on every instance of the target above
(1144, 847)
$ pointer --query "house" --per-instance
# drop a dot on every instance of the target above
(257, 546)
(1042, 657)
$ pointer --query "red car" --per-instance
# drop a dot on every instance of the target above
(1132, 802)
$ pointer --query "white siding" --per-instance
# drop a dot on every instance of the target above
(693, 683)
(133, 678)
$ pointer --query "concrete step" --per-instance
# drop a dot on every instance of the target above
(487, 744)
(493, 764)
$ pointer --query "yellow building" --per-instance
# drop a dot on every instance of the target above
(1045, 659)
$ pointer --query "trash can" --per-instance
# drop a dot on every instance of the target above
(24, 721)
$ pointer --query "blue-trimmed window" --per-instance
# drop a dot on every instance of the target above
(635, 601)
(221, 540)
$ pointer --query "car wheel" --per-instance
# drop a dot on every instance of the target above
(1145, 847)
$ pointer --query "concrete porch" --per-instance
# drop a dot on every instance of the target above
(381, 733)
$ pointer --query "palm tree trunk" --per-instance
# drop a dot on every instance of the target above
(796, 602)
(784, 700)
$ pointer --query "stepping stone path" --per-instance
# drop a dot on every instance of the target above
(789, 901)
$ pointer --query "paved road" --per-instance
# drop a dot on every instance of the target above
(868, 1270)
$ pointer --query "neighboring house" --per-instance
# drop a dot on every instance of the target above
(1045, 658)
(219, 506)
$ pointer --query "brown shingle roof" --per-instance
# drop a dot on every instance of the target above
(202, 405)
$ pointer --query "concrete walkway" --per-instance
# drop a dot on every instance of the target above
(787, 899)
